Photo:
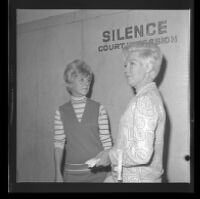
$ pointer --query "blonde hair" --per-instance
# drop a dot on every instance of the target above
(148, 51)
(75, 68)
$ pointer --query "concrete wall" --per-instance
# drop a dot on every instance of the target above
(44, 47)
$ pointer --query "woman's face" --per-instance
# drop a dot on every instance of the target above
(134, 70)
(80, 85)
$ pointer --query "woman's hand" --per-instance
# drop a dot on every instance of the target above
(103, 157)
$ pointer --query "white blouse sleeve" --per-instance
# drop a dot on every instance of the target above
(145, 121)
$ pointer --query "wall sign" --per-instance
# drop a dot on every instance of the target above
(158, 30)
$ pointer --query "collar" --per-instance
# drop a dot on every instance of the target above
(145, 88)
(82, 98)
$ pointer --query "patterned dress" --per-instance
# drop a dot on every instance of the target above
(141, 132)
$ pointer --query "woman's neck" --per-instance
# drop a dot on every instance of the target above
(142, 84)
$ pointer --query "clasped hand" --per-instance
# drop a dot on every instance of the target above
(102, 159)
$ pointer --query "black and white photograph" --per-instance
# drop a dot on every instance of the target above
(101, 97)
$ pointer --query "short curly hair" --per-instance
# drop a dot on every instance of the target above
(148, 51)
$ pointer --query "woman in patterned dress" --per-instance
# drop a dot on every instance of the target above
(141, 128)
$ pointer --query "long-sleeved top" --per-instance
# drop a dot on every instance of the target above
(141, 132)
(78, 104)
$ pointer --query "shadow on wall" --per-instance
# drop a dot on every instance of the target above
(166, 146)
(91, 87)
(158, 81)
(161, 74)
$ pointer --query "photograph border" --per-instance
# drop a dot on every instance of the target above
(12, 90)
